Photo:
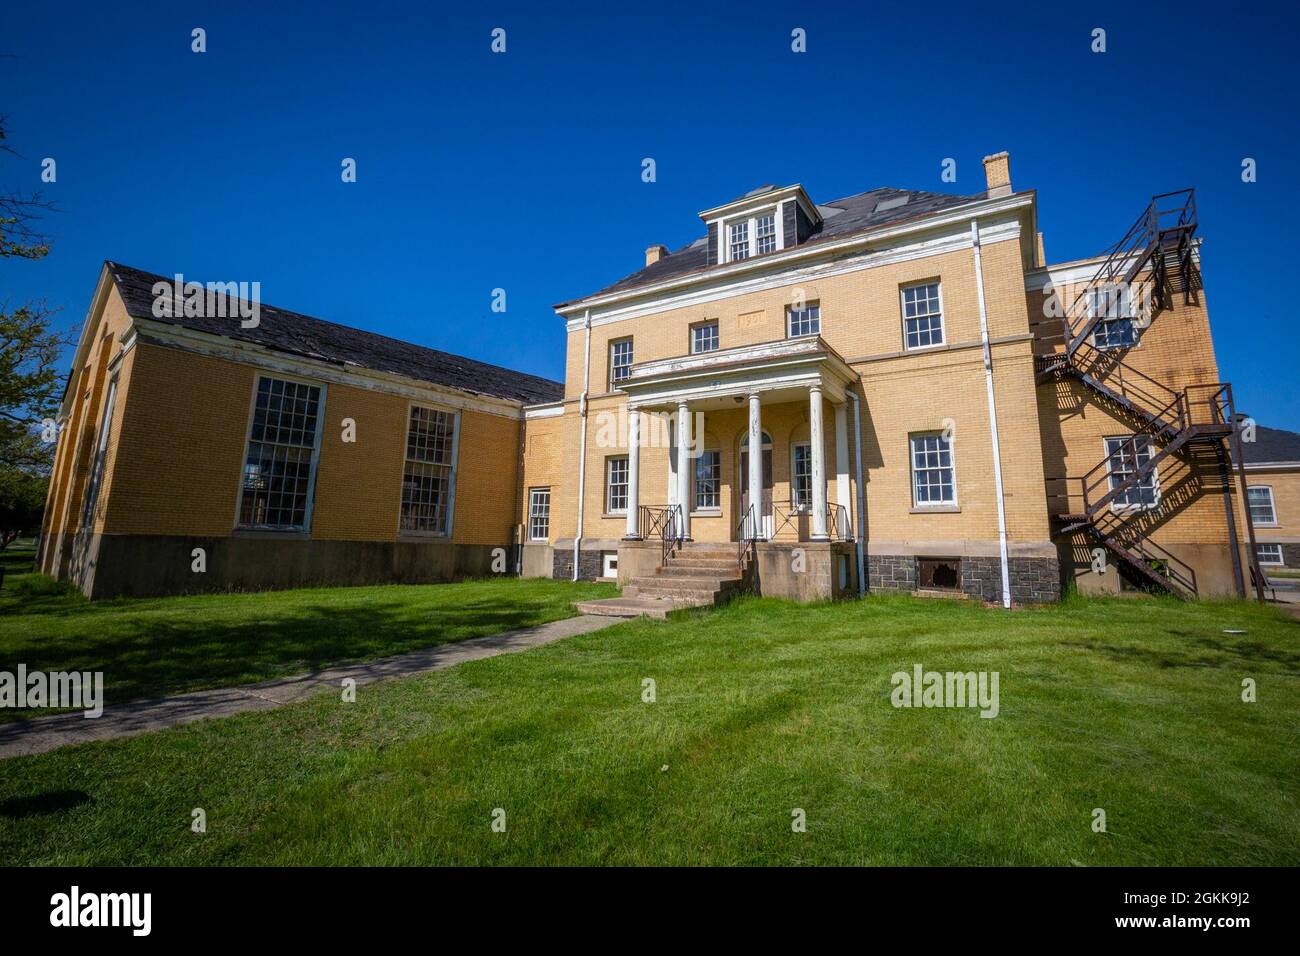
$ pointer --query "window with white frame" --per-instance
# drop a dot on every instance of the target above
(97, 467)
(1127, 456)
(1260, 499)
(620, 361)
(738, 240)
(934, 479)
(428, 479)
(704, 337)
(539, 514)
(805, 321)
(801, 475)
(1269, 553)
(708, 480)
(616, 485)
(922, 316)
(280, 464)
(765, 233)
(1115, 328)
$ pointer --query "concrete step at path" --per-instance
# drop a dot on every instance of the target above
(712, 564)
(718, 573)
(637, 606)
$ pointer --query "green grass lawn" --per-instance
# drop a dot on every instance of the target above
(150, 647)
(1132, 706)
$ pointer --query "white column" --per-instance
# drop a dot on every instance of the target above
(818, 441)
(756, 465)
(684, 465)
(842, 491)
(633, 473)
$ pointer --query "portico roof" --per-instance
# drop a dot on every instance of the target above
(777, 371)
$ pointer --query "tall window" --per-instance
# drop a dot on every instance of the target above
(1127, 456)
(933, 476)
(765, 231)
(1261, 505)
(280, 467)
(97, 468)
(805, 321)
(428, 479)
(922, 316)
(1269, 553)
(708, 480)
(616, 485)
(1115, 329)
(801, 476)
(704, 337)
(539, 514)
(620, 361)
(738, 237)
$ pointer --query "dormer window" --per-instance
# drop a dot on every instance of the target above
(739, 235)
(765, 233)
(764, 220)
(754, 235)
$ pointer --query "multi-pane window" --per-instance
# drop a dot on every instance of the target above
(281, 459)
(801, 476)
(1115, 328)
(805, 321)
(708, 480)
(704, 337)
(428, 479)
(620, 361)
(1261, 505)
(616, 485)
(933, 478)
(539, 514)
(738, 237)
(1128, 456)
(97, 467)
(1269, 553)
(922, 315)
(765, 232)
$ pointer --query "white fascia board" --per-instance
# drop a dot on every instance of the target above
(547, 410)
(1271, 465)
(258, 356)
(957, 215)
(736, 382)
(748, 203)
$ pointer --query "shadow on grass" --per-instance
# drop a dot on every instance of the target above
(52, 801)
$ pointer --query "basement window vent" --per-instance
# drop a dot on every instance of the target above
(938, 574)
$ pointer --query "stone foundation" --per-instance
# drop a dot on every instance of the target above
(1034, 580)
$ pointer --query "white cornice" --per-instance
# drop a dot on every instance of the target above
(547, 410)
(102, 287)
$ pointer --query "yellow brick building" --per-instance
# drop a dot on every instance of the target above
(934, 407)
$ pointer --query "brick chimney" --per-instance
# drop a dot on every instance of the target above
(997, 172)
(654, 254)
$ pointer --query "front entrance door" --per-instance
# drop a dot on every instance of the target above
(767, 524)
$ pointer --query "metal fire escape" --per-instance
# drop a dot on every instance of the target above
(1136, 282)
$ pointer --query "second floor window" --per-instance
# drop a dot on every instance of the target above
(922, 316)
(1115, 328)
(280, 464)
(1128, 455)
(1261, 505)
(616, 485)
(933, 475)
(805, 321)
(704, 337)
(620, 361)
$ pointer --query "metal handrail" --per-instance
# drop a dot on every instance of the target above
(795, 510)
(665, 522)
(746, 534)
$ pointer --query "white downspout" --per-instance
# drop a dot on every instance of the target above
(582, 441)
(993, 416)
(861, 497)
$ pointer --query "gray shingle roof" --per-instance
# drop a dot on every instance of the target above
(321, 341)
(843, 217)
(1271, 444)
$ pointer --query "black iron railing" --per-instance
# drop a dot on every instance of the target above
(664, 523)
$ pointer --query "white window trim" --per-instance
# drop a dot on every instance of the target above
(789, 320)
(710, 510)
(1272, 506)
(941, 506)
(451, 480)
(610, 359)
(724, 232)
(309, 511)
(608, 460)
(695, 326)
(531, 492)
(1152, 448)
(1281, 558)
(802, 508)
(902, 315)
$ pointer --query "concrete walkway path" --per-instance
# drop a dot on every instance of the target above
(25, 737)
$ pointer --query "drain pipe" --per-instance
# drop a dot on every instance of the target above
(861, 497)
(993, 415)
(582, 442)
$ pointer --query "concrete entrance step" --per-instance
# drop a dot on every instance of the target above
(637, 606)
(715, 571)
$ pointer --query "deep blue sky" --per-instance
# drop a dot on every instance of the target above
(522, 170)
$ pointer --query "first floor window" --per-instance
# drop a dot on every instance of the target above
(765, 232)
(620, 361)
(922, 316)
(616, 485)
(801, 476)
(1127, 456)
(708, 480)
(428, 476)
(933, 478)
(1269, 553)
(805, 321)
(738, 234)
(1261, 505)
(539, 514)
(704, 337)
(280, 465)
